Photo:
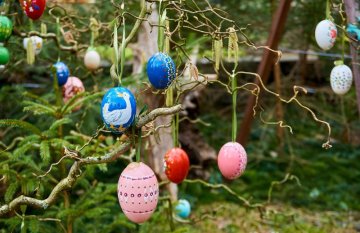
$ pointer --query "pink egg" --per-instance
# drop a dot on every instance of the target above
(232, 160)
(138, 192)
(72, 87)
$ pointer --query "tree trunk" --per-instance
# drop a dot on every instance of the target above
(351, 9)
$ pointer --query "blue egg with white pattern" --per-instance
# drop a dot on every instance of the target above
(183, 208)
(62, 72)
(118, 109)
(161, 70)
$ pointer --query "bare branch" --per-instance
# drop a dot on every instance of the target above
(158, 112)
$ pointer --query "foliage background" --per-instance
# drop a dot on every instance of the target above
(326, 201)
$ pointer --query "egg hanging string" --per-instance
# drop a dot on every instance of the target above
(138, 151)
(122, 53)
(162, 18)
(328, 10)
(58, 33)
(233, 51)
(94, 27)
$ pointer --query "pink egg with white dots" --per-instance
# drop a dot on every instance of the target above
(138, 192)
(232, 160)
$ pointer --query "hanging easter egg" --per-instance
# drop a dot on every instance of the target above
(62, 72)
(36, 41)
(138, 192)
(72, 87)
(183, 208)
(33, 8)
(92, 60)
(5, 28)
(341, 79)
(325, 34)
(176, 163)
(118, 109)
(232, 160)
(161, 70)
(4, 56)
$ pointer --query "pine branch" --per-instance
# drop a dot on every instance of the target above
(20, 124)
(75, 170)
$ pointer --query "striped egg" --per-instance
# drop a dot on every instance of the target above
(138, 192)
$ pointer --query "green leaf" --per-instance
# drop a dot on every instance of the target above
(60, 122)
(45, 151)
(21, 150)
(33, 226)
(29, 139)
(20, 124)
(83, 100)
(60, 142)
(38, 109)
(144, 110)
(10, 191)
(37, 98)
(103, 167)
(70, 104)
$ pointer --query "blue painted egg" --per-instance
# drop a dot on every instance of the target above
(161, 70)
(118, 109)
(183, 208)
(62, 72)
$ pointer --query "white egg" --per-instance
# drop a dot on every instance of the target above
(341, 79)
(92, 60)
(325, 34)
(36, 41)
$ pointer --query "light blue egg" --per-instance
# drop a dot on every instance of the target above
(161, 70)
(62, 72)
(183, 208)
(118, 109)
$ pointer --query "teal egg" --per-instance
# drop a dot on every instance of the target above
(183, 208)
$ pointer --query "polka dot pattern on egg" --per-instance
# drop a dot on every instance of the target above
(341, 79)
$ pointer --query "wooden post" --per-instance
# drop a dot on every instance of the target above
(266, 64)
(350, 8)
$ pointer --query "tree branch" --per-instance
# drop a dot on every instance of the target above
(75, 170)
(52, 36)
(158, 112)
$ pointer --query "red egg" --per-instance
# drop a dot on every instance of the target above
(232, 160)
(176, 163)
(33, 8)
